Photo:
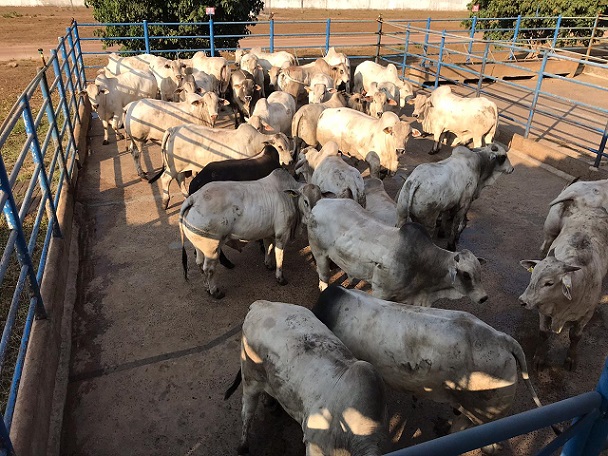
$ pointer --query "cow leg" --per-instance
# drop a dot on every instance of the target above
(251, 395)
(116, 124)
(181, 180)
(436, 143)
(457, 222)
(105, 124)
(279, 250)
(209, 258)
(137, 148)
(323, 270)
(165, 182)
(268, 248)
(576, 332)
(543, 347)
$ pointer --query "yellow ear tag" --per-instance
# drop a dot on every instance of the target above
(530, 269)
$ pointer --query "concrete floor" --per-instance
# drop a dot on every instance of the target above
(153, 354)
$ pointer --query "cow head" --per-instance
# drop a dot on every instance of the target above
(551, 283)
(355, 101)
(187, 85)
(319, 93)
(465, 273)
(397, 134)
(590, 194)
(340, 74)
(406, 93)
(281, 144)
(96, 94)
(307, 196)
(421, 105)
(378, 103)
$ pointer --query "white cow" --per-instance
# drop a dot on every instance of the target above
(566, 286)
(399, 263)
(268, 60)
(169, 75)
(191, 147)
(293, 79)
(290, 355)
(447, 188)
(117, 65)
(217, 67)
(320, 88)
(234, 212)
(274, 114)
(378, 102)
(147, 120)
(470, 119)
(334, 58)
(304, 123)
(108, 96)
(582, 193)
(392, 92)
(447, 356)
(357, 133)
(327, 170)
(369, 72)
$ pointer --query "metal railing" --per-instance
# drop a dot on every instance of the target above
(31, 178)
(38, 158)
(482, 67)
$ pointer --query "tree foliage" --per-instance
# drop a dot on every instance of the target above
(186, 12)
(539, 18)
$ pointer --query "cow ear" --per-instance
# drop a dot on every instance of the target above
(529, 264)
(236, 86)
(268, 127)
(567, 286)
(368, 98)
(482, 260)
(392, 102)
(308, 89)
(257, 87)
(83, 93)
(224, 102)
(292, 193)
(332, 90)
(416, 133)
(388, 130)
(411, 101)
(104, 90)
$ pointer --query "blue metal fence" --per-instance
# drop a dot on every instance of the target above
(38, 158)
(423, 54)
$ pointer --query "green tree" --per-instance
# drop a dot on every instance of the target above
(538, 19)
(186, 12)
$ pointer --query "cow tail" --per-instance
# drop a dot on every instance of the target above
(124, 126)
(235, 384)
(492, 133)
(225, 79)
(520, 358)
(295, 133)
(182, 213)
(163, 151)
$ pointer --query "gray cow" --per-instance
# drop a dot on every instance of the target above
(447, 356)
(400, 263)
(290, 355)
(565, 287)
(447, 188)
(236, 212)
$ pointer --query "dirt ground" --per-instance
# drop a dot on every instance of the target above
(153, 354)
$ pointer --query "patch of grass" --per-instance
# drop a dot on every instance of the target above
(11, 15)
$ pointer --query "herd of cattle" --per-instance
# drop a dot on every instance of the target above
(327, 367)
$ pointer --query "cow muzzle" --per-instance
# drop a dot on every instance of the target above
(524, 303)
(415, 115)
(400, 151)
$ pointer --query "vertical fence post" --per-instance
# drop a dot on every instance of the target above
(64, 104)
(72, 56)
(588, 53)
(50, 115)
(425, 47)
(271, 37)
(556, 34)
(146, 37)
(592, 442)
(68, 77)
(541, 74)
(482, 71)
(439, 59)
(211, 37)
(406, 48)
(81, 73)
(327, 34)
(30, 129)
(471, 38)
(601, 147)
(379, 40)
(11, 213)
(515, 35)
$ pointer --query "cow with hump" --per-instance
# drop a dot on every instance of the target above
(232, 213)
(399, 263)
(565, 287)
(356, 134)
(470, 119)
(287, 353)
(192, 147)
(447, 356)
(445, 190)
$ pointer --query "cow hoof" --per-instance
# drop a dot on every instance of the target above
(282, 281)
(217, 294)
(539, 363)
(105, 142)
(433, 151)
(243, 450)
(269, 266)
